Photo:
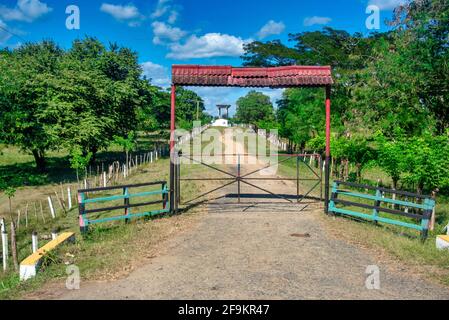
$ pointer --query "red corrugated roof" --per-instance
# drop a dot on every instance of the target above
(276, 77)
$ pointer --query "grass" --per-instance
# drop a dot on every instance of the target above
(119, 245)
(18, 169)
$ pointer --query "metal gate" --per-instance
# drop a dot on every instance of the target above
(305, 170)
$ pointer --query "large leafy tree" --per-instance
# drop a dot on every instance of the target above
(423, 31)
(25, 75)
(187, 105)
(301, 115)
(254, 108)
(77, 99)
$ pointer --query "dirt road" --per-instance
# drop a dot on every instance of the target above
(260, 252)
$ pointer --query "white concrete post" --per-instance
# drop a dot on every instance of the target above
(34, 241)
(52, 209)
(151, 157)
(5, 249)
(104, 180)
(69, 197)
(54, 234)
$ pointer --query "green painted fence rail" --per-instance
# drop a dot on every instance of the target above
(85, 198)
(424, 205)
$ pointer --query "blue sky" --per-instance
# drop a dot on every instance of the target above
(166, 32)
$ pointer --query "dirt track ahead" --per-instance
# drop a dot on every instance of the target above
(280, 251)
(253, 255)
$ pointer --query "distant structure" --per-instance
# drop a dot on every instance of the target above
(223, 107)
(223, 117)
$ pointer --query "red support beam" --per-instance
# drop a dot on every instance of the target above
(328, 148)
(173, 118)
(172, 148)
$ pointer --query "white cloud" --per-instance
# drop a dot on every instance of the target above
(4, 35)
(128, 13)
(163, 31)
(158, 74)
(161, 8)
(25, 10)
(310, 21)
(387, 4)
(208, 46)
(271, 28)
(173, 16)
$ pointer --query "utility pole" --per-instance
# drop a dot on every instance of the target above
(197, 110)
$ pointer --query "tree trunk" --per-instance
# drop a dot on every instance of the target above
(359, 172)
(395, 183)
(39, 158)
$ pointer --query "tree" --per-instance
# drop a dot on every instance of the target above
(423, 28)
(426, 162)
(254, 108)
(186, 107)
(24, 77)
(391, 156)
(300, 115)
(127, 144)
(78, 161)
(96, 96)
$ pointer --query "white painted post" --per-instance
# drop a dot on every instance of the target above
(151, 157)
(34, 241)
(54, 234)
(69, 197)
(5, 247)
(406, 208)
(104, 180)
(85, 183)
(124, 171)
(52, 209)
(2, 225)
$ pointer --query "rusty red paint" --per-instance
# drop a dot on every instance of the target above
(275, 77)
(172, 118)
(328, 122)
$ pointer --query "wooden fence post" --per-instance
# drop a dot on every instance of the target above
(42, 211)
(14, 247)
(62, 193)
(61, 204)
(26, 216)
(35, 212)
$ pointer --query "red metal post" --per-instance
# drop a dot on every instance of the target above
(328, 149)
(172, 118)
(172, 148)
